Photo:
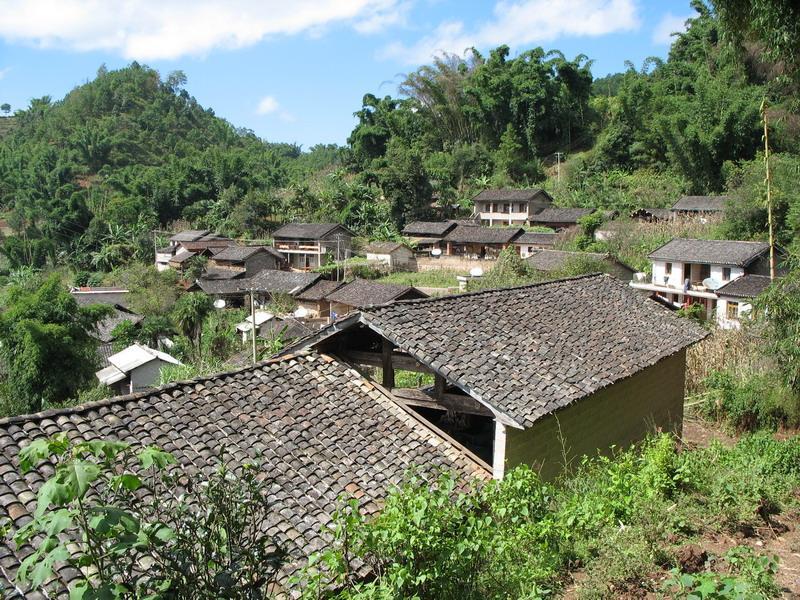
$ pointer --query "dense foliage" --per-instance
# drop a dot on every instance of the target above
(623, 519)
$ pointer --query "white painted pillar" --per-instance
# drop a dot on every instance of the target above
(499, 454)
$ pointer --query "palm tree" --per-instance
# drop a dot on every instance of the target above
(190, 311)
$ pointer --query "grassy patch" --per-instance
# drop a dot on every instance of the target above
(440, 278)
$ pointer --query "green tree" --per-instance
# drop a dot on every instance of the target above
(189, 313)
(779, 309)
(47, 344)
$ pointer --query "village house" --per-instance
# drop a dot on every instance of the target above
(394, 255)
(361, 293)
(426, 236)
(553, 261)
(510, 207)
(479, 242)
(700, 206)
(186, 244)
(689, 271)
(244, 261)
(314, 299)
(316, 428)
(307, 246)
(531, 241)
(735, 299)
(560, 218)
(537, 374)
(264, 285)
(134, 369)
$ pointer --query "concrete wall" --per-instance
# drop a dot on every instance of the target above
(618, 415)
(147, 375)
(677, 276)
(260, 261)
(452, 263)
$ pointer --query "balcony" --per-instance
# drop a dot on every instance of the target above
(503, 216)
(641, 281)
(312, 247)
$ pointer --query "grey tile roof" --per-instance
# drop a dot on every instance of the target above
(746, 286)
(536, 238)
(383, 247)
(308, 231)
(428, 228)
(529, 351)
(509, 195)
(470, 234)
(317, 428)
(319, 290)
(242, 253)
(701, 203)
(560, 215)
(714, 252)
(109, 296)
(362, 292)
(189, 235)
(217, 274)
(211, 245)
(554, 260)
(107, 325)
(269, 281)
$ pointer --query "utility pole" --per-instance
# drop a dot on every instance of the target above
(768, 183)
(558, 167)
(252, 292)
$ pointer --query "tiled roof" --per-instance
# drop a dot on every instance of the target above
(509, 195)
(319, 290)
(317, 428)
(269, 280)
(189, 235)
(212, 245)
(468, 234)
(701, 203)
(529, 351)
(107, 325)
(362, 292)
(560, 215)
(714, 252)
(382, 247)
(535, 237)
(746, 286)
(217, 274)
(307, 231)
(110, 296)
(428, 228)
(239, 253)
(553, 260)
(182, 257)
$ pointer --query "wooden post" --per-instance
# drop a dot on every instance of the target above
(388, 368)
(438, 386)
(499, 450)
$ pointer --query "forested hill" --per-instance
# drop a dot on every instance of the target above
(85, 180)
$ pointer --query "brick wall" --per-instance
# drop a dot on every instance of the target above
(618, 415)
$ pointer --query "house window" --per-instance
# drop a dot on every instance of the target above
(732, 310)
(726, 274)
(668, 269)
(705, 272)
(507, 208)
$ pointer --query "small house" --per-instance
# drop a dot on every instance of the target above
(531, 241)
(480, 242)
(264, 284)
(510, 207)
(700, 207)
(118, 300)
(554, 261)
(245, 328)
(360, 293)
(652, 215)
(735, 299)
(560, 218)
(186, 244)
(134, 369)
(394, 255)
(427, 235)
(314, 298)
(246, 261)
(308, 246)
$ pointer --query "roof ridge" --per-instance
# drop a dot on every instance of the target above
(432, 299)
(114, 400)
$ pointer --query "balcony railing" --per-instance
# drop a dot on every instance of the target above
(298, 247)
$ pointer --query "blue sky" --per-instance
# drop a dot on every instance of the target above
(295, 71)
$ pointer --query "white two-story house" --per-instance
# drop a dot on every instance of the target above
(687, 271)
(510, 207)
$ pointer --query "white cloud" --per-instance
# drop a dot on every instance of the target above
(267, 105)
(668, 25)
(169, 29)
(523, 22)
(392, 13)
(4, 71)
